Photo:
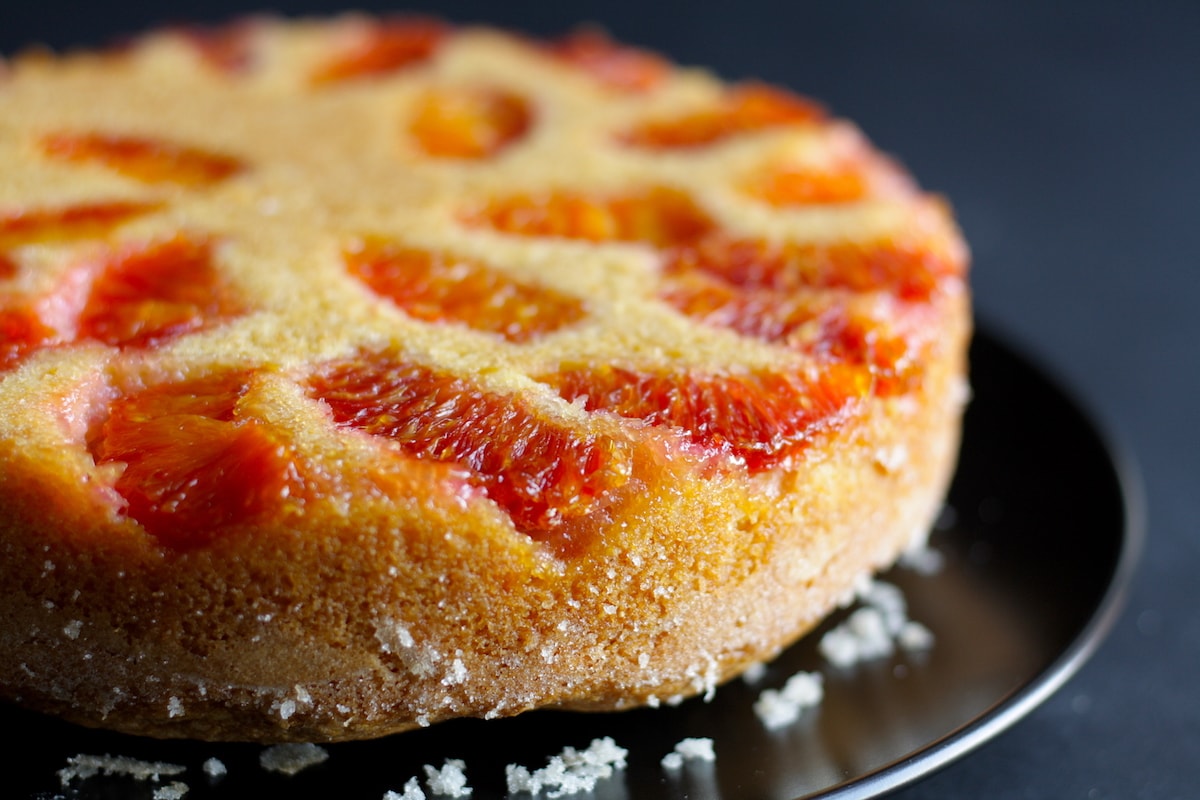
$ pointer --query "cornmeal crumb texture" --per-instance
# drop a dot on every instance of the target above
(357, 374)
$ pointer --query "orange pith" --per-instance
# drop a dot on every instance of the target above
(760, 418)
(616, 66)
(541, 472)
(744, 109)
(146, 159)
(148, 294)
(194, 465)
(469, 123)
(382, 47)
(441, 287)
(658, 216)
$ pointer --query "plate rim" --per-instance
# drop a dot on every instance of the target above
(1019, 702)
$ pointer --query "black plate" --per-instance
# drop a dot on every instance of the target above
(1043, 545)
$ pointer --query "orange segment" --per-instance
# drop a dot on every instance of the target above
(145, 159)
(21, 332)
(616, 66)
(194, 466)
(148, 294)
(762, 419)
(660, 217)
(542, 473)
(440, 287)
(469, 123)
(744, 109)
(66, 223)
(381, 47)
(795, 186)
(226, 48)
(818, 324)
(910, 270)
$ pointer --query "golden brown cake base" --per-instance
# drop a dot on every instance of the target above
(375, 593)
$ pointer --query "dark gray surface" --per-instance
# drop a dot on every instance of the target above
(1069, 142)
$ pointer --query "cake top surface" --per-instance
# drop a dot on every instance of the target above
(448, 247)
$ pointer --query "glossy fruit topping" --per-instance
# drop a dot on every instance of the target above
(148, 294)
(195, 466)
(146, 159)
(442, 287)
(469, 123)
(744, 109)
(21, 332)
(909, 270)
(226, 48)
(660, 217)
(66, 223)
(380, 47)
(541, 472)
(759, 418)
(798, 186)
(616, 66)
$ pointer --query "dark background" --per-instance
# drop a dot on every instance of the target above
(1068, 139)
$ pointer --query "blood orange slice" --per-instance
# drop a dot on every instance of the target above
(744, 109)
(143, 158)
(760, 418)
(440, 287)
(381, 47)
(148, 294)
(541, 472)
(469, 123)
(195, 466)
(616, 66)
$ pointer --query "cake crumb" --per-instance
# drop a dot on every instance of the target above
(411, 791)
(288, 759)
(450, 780)
(690, 749)
(570, 772)
(172, 791)
(779, 708)
(82, 767)
(215, 768)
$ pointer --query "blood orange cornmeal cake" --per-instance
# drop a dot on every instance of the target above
(359, 374)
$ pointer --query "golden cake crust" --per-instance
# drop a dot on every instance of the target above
(576, 241)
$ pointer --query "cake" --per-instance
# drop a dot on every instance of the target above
(361, 373)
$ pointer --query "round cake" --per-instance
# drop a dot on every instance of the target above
(357, 374)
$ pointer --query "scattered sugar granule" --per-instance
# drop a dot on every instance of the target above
(755, 673)
(570, 772)
(412, 791)
(71, 629)
(172, 791)
(874, 630)
(915, 636)
(215, 768)
(450, 780)
(289, 759)
(82, 767)
(174, 707)
(691, 749)
(778, 708)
